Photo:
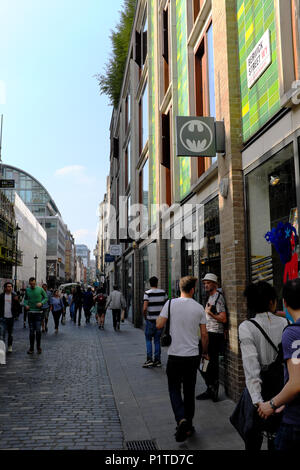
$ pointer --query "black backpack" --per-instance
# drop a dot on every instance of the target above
(272, 377)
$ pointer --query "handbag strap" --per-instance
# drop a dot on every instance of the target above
(168, 321)
(265, 335)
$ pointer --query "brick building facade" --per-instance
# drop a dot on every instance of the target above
(189, 58)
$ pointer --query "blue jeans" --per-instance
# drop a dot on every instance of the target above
(288, 437)
(152, 332)
(6, 325)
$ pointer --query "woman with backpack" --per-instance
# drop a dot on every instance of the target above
(260, 337)
(101, 309)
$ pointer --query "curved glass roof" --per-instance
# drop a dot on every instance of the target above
(31, 191)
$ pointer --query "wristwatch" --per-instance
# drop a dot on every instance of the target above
(272, 405)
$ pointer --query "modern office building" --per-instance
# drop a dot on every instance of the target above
(84, 253)
(43, 207)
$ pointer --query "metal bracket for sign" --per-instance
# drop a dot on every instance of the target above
(220, 137)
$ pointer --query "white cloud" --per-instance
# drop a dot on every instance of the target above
(81, 234)
(70, 170)
(76, 174)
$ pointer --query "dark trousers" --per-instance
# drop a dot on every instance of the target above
(56, 317)
(24, 314)
(87, 313)
(182, 372)
(7, 325)
(116, 313)
(79, 308)
(35, 320)
(288, 437)
(215, 347)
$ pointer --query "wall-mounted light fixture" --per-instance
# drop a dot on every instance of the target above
(274, 180)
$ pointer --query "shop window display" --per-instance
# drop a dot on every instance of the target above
(273, 220)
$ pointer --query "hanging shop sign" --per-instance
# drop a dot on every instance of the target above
(199, 136)
(259, 59)
(115, 250)
(109, 258)
(7, 184)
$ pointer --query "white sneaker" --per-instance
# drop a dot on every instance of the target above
(9, 349)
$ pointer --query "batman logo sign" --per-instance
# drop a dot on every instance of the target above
(196, 136)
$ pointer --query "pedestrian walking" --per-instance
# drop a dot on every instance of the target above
(100, 301)
(116, 302)
(183, 354)
(154, 300)
(57, 308)
(216, 318)
(71, 304)
(257, 351)
(46, 310)
(23, 307)
(288, 399)
(88, 302)
(78, 303)
(35, 298)
(9, 310)
(64, 298)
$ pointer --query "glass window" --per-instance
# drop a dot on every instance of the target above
(211, 71)
(145, 117)
(128, 162)
(271, 200)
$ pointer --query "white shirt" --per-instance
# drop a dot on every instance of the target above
(185, 317)
(7, 305)
(213, 326)
(257, 353)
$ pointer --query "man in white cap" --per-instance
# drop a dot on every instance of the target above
(216, 318)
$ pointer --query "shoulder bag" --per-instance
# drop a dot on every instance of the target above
(166, 338)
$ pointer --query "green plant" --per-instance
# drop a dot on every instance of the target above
(110, 82)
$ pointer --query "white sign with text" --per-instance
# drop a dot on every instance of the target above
(259, 59)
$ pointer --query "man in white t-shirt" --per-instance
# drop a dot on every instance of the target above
(183, 354)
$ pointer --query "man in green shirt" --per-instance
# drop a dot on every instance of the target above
(35, 298)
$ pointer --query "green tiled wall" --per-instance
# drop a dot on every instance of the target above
(262, 101)
(183, 101)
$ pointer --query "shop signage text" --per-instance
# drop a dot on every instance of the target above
(7, 184)
(259, 59)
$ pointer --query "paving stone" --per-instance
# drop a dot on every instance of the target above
(61, 399)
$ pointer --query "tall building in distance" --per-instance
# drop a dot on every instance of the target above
(43, 207)
(84, 253)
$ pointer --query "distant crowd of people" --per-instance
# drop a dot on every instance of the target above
(37, 302)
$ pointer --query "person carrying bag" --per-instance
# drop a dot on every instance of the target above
(260, 340)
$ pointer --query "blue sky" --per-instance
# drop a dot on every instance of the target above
(56, 124)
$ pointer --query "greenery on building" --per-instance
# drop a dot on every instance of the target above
(110, 82)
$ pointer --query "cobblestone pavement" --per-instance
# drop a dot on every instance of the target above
(61, 399)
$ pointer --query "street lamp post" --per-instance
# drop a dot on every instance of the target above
(35, 268)
(16, 262)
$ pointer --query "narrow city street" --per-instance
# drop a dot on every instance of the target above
(61, 399)
(88, 391)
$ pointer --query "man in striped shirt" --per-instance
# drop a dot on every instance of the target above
(154, 300)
